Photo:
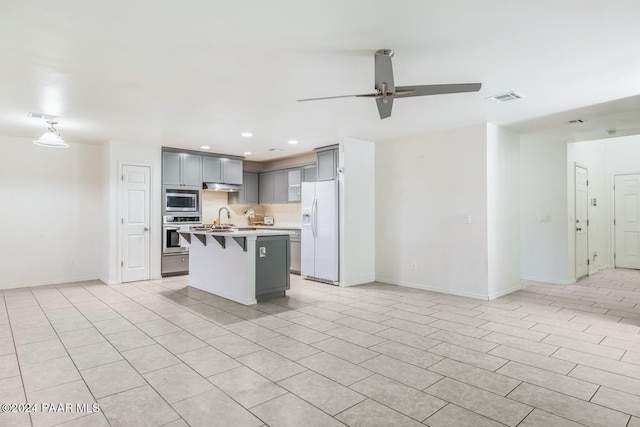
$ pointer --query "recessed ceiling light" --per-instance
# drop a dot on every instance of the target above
(247, 153)
(246, 134)
(292, 141)
(42, 116)
(205, 147)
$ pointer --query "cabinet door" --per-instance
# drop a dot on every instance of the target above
(251, 190)
(191, 170)
(171, 169)
(266, 187)
(293, 179)
(326, 165)
(281, 187)
(232, 171)
(310, 174)
(211, 169)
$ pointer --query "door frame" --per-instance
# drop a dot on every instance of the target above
(120, 226)
(612, 241)
(575, 217)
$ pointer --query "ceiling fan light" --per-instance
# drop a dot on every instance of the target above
(51, 138)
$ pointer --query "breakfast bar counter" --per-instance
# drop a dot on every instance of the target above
(245, 266)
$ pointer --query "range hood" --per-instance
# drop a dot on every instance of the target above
(216, 186)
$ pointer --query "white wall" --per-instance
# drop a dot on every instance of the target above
(503, 211)
(543, 192)
(127, 153)
(51, 213)
(423, 186)
(357, 204)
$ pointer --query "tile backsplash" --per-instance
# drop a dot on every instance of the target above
(288, 214)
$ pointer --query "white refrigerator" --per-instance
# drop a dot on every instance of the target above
(320, 238)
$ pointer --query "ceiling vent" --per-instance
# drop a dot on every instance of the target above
(275, 149)
(41, 116)
(504, 97)
(576, 121)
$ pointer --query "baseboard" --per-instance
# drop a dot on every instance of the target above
(107, 281)
(433, 289)
(599, 269)
(48, 282)
(546, 280)
(505, 292)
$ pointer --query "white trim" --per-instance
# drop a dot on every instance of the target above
(50, 282)
(433, 289)
(575, 216)
(505, 292)
(107, 281)
(547, 280)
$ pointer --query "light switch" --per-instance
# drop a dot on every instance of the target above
(465, 218)
(263, 251)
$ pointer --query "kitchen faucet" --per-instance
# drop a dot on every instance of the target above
(220, 212)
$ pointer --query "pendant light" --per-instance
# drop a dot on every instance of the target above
(51, 138)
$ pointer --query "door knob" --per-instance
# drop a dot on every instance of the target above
(146, 229)
(578, 229)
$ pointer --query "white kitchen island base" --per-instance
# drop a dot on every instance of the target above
(243, 266)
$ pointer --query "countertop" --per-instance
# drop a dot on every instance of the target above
(238, 233)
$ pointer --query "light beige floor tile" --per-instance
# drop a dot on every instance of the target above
(40, 351)
(252, 331)
(11, 390)
(128, 340)
(322, 313)
(607, 379)
(408, 326)
(472, 375)
(588, 337)
(471, 357)
(412, 314)
(634, 422)
(618, 400)
(96, 419)
(408, 338)
(345, 350)
(112, 378)
(81, 337)
(150, 358)
(482, 402)
(521, 343)
(15, 419)
(291, 411)
(501, 318)
(271, 365)
(180, 342)
(301, 333)
(208, 361)
(158, 327)
(138, 407)
(372, 414)
(598, 362)
(402, 372)
(9, 366)
(631, 357)
(234, 345)
(321, 392)
(33, 335)
(363, 339)
(49, 373)
(528, 334)
(598, 350)
(464, 341)
(74, 392)
(568, 407)
(315, 323)
(620, 344)
(92, 355)
(543, 378)
(452, 415)
(539, 418)
(205, 330)
(177, 382)
(405, 353)
(459, 328)
(6, 346)
(332, 367)
(404, 399)
(246, 386)
(533, 359)
(113, 326)
(214, 408)
(289, 348)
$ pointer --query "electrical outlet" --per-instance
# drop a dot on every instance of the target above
(73, 262)
(414, 266)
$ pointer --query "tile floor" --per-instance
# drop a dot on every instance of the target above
(160, 353)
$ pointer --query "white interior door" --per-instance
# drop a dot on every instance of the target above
(135, 236)
(627, 221)
(582, 229)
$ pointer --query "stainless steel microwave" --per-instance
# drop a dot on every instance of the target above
(182, 201)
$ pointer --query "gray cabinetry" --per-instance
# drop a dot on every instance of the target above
(327, 164)
(266, 187)
(310, 173)
(280, 187)
(181, 169)
(272, 266)
(248, 194)
(222, 170)
(293, 185)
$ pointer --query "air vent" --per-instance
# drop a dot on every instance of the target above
(41, 116)
(576, 121)
(504, 97)
(275, 149)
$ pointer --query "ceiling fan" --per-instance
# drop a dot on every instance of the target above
(386, 90)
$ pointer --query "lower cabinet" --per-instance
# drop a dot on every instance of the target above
(273, 259)
(173, 265)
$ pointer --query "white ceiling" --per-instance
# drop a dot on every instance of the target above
(197, 72)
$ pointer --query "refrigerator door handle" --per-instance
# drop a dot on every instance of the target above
(314, 217)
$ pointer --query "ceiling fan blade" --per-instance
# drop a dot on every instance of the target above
(436, 89)
(384, 70)
(384, 108)
(339, 96)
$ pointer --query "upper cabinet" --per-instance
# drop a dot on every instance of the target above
(248, 194)
(309, 173)
(293, 185)
(327, 163)
(181, 169)
(222, 170)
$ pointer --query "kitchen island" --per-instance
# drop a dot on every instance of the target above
(245, 266)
